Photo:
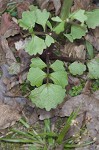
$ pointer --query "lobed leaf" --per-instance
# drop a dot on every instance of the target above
(48, 40)
(77, 68)
(47, 96)
(93, 67)
(28, 20)
(77, 32)
(35, 46)
(33, 8)
(59, 78)
(37, 62)
(79, 15)
(93, 18)
(42, 17)
(59, 28)
(36, 76)
(58, 66)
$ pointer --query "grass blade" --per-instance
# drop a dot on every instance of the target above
(66, 127)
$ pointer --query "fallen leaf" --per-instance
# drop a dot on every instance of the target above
(47, 114)
(24, 6)
(47, 4)
(30, 113)
(74, 51)
(19, 45)
(3, 5)
(43, 3)
(73, 80)
(9, 55)
(2, 56)
(96, 32)
(3, 69)
(57, 5)
(8, 116)
(81, 4)
(16, 102)
(88, 104)
(8, 27)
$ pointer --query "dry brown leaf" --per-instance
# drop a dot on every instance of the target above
(73, 80)
(16, 102)
(74, 51)
(30, 114)
(57, 5)
(8, 53)
(50, 5)
(96, 32)
(93, 40)
(8, 116)
(88, 104)
(43, 3)
(3, 5)
(8, 27)
(2, 56)
(81, 4)
(47, 114)
(22, 7)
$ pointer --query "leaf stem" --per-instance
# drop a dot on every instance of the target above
(35, 32)
(48, 65)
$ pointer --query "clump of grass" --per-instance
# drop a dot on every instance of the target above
(47, 139)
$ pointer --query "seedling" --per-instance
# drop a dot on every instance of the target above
(50, 78)
(76, 90)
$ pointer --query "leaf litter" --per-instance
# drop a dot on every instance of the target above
(88, 104)
(11, 104)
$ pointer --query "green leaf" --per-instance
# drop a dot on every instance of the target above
(56, 19)
(67, 126)
(33, 8)
(59, 78)
(93, 67)
(37, 62)
(90, 49)
(79, 15)
(33, 147)
(58, 66)
(35, 46)
(36, 76)
(42, 17)
(47, 96)
(59, 28)
(93, 18)
(69, 36)
(28, 20)
(77, 32)
(49, 25)
(49, 40)
(77, 68)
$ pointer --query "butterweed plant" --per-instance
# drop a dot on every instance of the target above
(50, 78)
